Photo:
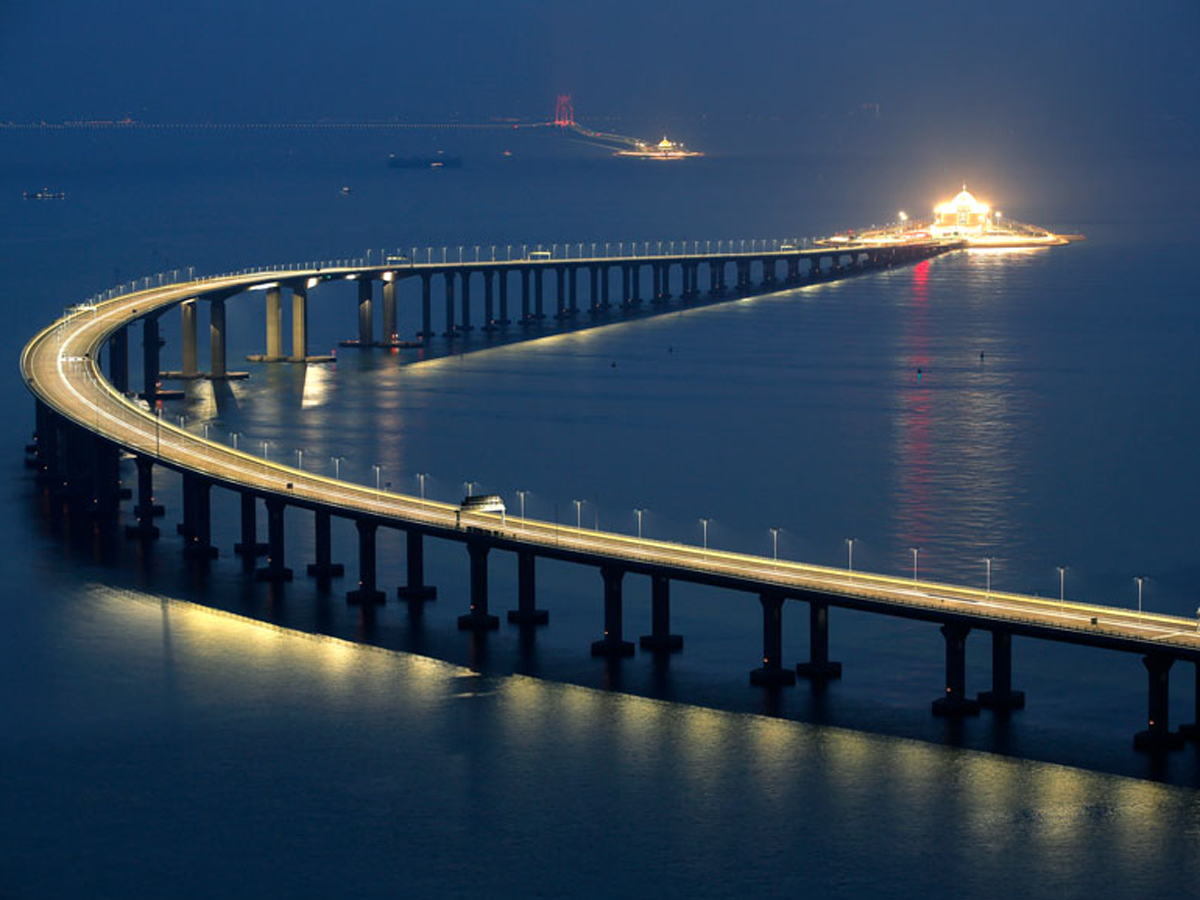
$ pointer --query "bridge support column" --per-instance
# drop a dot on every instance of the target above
(489, 311)
(793, 270)
(573, 291)
(539, 293)
(814, 268)
(151, 349)
(274, 325)
(118, 359)
(216, 337)
(1158, 734)
(187, 315)
(612, 644)
(560, 303)
(366, 323)
(426, 326)
(46, 444)
(605, 296)
(465, 322)
(955, 703)
(416, 588)
(819, 666)
(656, 284)
(1002, 696)
(502, 275)
(391, 327)
(525, 313)
(299, 324)
(626, 285)
(249, 546)
(197, 518)
(367, 593)
(478, 619)
(275, 570)
(324, 568)
(772, 671)
(527, 612)
(636, 285)
(450, 331)
(660, 639)
(594, 290)
(145, 509)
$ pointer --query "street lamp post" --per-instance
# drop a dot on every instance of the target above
(378, 473)
(1139, 580)
(850, 554)
(265, 445)
(704, 524)
(1062, 585)
(337, 466)
(915, 551)
(638, 513)
(521, 496)
(300, 460)
(988, 560)
(421, 476)
(470, 487)
(578, 513)
(775, 543)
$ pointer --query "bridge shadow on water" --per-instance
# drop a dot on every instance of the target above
(85, 552)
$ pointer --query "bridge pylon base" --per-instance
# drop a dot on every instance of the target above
(417, 592)
(1154, 741)
(529, 617)
(276, 574)
(366, 597)
(955, 707)
(661, 643)
(819, 671)
(326, 570)
(478, 621)
(772, 676)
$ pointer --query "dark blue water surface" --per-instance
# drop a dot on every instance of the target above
(174, 733)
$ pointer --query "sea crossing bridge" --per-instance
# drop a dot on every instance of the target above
(85, 421)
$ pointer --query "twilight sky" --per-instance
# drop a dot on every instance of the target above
(1071, 75)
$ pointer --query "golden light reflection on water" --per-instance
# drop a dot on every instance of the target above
(318, 386)
(996, 802)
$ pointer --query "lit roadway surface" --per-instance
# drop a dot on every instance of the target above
(59, 366)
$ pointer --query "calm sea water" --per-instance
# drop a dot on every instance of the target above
(171, 733)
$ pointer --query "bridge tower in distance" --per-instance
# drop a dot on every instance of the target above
(564, 111)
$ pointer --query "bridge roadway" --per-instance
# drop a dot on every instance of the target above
(60, 366)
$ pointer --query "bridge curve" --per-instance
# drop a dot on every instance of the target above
(80, 408)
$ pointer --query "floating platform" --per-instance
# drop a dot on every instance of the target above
(203, 376)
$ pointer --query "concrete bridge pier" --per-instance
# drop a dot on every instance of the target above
(626, 285)
(636, 286)
(275, 570)
(197, 518)
(772, 672)
(478, 619)
(814, 268)
(1158, 734)
(605, 302)
(489, 302)
(46, 445)
(300, 323)
(450, 331)
(613, 643)
(503, 276)
(118, 359)
(819, 666)
(249, 546)
(465, 318)
(416, 588)
(660, 639)
(793, 270)
(367, 593)
(955, 703)
(526, 315)
(527, 612)
(216, 338)
(426, 331)
(187, 315)
(573, 291)
(539, 293)
(1002, 696)
(768, 274)
(594, 292)
(145, 509)
(560, 311)
(716, 278)
(366, 323)
(1191, 731)
(274, 326)
(391, 326)
(324, 568)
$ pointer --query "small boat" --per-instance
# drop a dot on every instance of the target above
(346, 190)
(45, 194)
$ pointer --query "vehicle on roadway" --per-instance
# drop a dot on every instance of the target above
(540, 254)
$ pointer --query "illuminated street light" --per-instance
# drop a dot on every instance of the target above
(578, 513)
(300, 459)
(1062, 582)
(774, 543)
(1139, 580)
(988, 560)
(421, 476)
(704, 522)
(915, 551)
(469, 487)
(337, 466)
(521, 495)
(265, 445)
(638, 513)
(850, 554)
(378, 473)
